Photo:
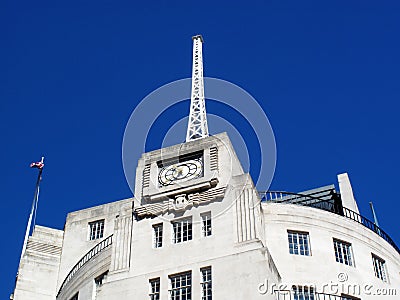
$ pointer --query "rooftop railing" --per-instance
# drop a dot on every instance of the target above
(291, 295)
(329, 202)
(104, 244)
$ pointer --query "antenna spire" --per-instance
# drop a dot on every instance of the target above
(373, 214)
(197, 126)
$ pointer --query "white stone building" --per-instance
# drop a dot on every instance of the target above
(198, 229)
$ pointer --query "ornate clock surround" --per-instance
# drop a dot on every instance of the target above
(180, 169)
(219, 164)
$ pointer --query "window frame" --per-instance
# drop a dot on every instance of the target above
(206, 224)
(382, 274)
(96, 229)
(155, 288)
(206, 283)
(303, 292)
(181, 230)
(99, 280)
(180, 291)
(297, 245)
(345, 253)
(157, 235)
(75, 297)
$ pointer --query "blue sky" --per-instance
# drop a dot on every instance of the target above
(327, 76)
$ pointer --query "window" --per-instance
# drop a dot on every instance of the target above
(181, 286)
(206, 224)
(99, 280)
(75, 297)
(379, 268)
(206, 283)
(182, 230)
(303, 292)
(299, 243)
(343, 252)
(96, 230)
(154, 289)
(157, 235)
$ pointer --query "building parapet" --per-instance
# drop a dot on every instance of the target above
(327, 200)
(309, 294)
(104, 244)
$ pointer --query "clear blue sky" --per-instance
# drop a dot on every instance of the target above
(71, 72)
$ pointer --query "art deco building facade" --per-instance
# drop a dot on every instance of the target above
(197, 228)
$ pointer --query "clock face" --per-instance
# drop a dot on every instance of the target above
(180, 172)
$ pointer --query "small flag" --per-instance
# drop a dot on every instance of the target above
(39, 165)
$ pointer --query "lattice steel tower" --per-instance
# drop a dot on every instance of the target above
(197, 126)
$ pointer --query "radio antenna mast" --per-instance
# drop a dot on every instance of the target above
(197, 126)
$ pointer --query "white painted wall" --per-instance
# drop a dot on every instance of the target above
(76, 241)
(321, 267)
(346, 192)
(38, 269)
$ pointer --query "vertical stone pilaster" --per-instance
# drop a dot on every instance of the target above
(121, 248)
(247, 212)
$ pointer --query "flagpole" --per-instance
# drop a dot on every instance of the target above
(34, 206)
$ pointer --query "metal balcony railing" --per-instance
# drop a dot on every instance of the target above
(329, 202)
(290, 295)
(104, 244)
